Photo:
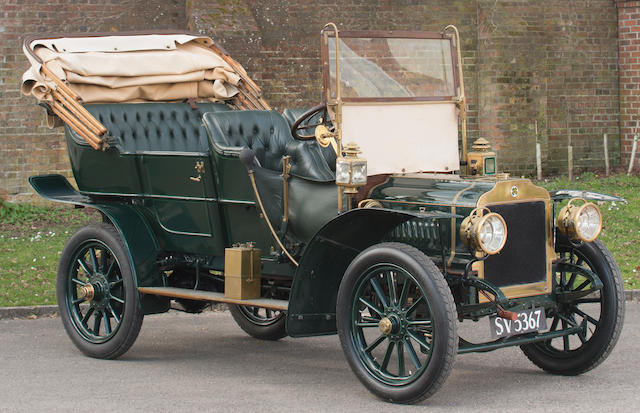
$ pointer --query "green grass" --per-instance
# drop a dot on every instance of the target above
(31, 241)
(32, 238)
(621, 222)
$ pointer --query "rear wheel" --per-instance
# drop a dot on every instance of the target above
(397, 322)
(97, 297)
(602, 312)
(264, 323)
(260, 323)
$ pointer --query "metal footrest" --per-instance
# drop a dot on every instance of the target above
(281, 305)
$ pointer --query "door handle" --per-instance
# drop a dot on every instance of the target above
(200, 170)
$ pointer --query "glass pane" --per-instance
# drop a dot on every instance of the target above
(392, 67)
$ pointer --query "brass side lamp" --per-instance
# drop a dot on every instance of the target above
(351, 173)
(482, 160)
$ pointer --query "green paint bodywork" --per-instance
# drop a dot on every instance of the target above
(131, 224)
(312, 305)
(453, 195)
(161, 213)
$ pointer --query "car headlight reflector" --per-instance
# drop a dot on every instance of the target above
(580, 222)
(484, 231)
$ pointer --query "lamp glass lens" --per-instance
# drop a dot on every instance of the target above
(359, 172)
(588, 223)
(343, 173)
(492, 234)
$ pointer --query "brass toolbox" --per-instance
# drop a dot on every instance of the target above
(242, 272)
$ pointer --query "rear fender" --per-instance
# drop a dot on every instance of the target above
(312, 304)
(140, 242)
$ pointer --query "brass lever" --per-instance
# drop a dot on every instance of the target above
(200, 169)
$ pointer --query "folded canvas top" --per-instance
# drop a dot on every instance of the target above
(131, 68)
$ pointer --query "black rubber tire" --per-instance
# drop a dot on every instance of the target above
(598, 347)
(443, 313)
(132, 315)
(274, 330)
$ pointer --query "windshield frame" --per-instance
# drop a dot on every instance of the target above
(328, 35)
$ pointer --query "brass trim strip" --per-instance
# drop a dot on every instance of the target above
(427, 203)
(396, 101)
(453, 223)
(462, 103)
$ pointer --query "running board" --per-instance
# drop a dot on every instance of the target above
(273, 304)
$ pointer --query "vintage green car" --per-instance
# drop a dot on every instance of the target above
(365, 216)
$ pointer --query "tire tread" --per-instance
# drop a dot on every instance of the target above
(619, 321)
(131, 333)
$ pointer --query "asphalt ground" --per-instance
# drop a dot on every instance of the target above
(184, 363)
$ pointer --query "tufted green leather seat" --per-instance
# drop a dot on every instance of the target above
(291, 115)
(269, 136)
(163, 127)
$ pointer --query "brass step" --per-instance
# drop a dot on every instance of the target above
(273, 304)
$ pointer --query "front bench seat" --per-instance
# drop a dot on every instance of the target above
(267, 134)
(155, 127)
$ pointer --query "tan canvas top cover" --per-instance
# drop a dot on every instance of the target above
(131, 68)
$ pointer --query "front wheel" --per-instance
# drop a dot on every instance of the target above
(397, 322)
(602, 312)
(97, 297)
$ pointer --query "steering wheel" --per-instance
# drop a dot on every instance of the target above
(303, 122)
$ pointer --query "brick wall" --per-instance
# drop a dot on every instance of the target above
(27, 146)
(553, 61)
(629, 66)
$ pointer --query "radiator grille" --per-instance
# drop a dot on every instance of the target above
(523, 258)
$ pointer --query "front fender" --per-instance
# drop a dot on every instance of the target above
(312, 303)
(562, 194)
(136, 233)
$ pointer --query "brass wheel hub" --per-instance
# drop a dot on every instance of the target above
(87, 292)
(385, 325)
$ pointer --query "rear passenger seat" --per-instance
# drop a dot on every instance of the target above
(157, 127)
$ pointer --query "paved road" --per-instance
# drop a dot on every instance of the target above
(186, 363)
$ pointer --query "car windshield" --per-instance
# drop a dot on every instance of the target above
(392, 67)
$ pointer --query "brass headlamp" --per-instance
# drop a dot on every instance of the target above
(484, 231)
(351, 172)
(580, 222)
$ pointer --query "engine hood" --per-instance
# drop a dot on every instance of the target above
(415, 191)
(454, 195)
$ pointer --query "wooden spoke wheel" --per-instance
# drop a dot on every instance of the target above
(600, 313)
(397, 322)
(97, 297)
(260, 323)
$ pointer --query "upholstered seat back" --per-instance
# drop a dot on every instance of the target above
(269, 136)
(158, 127)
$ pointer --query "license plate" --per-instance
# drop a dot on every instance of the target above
(528, 321)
